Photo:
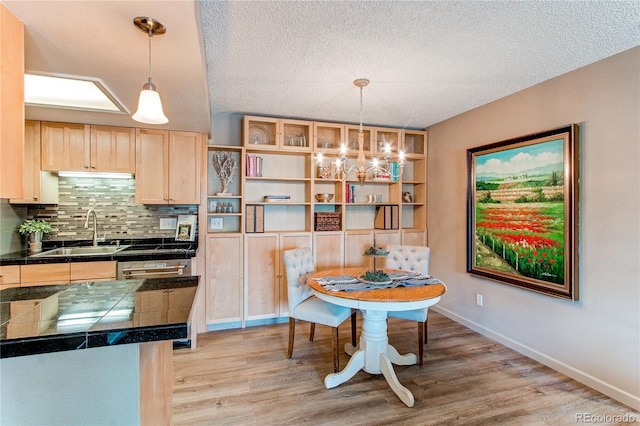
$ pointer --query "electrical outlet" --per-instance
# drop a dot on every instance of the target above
(216, 223)
(478, 299)
(168, 222)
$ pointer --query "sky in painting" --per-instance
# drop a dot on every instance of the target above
(520, 160)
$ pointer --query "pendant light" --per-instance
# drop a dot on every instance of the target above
(149, 104)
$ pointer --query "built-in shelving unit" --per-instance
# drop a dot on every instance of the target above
(279, 157)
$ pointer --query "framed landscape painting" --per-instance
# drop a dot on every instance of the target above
(522, 217)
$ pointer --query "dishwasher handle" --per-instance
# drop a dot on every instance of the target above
(162, 270)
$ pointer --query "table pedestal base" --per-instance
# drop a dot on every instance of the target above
(374, 355)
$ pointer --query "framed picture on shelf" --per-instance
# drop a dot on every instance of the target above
(186, 227)
(522, 204)
(212, 206)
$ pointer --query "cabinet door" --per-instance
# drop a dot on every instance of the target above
(288, 242)
(184, 167)
(414, 237)
(224, 289)
(152, 166)
(65, 146)
(113, 149)
(261, 281)
(384, 238)
(11, 104)
(39, 187)
(92, 271)
(355, 243)
(328, 249)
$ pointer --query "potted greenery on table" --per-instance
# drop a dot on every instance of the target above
(34, 228)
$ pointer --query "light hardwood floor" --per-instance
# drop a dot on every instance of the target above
(243, 377)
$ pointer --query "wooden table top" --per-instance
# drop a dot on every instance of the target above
(398, 294)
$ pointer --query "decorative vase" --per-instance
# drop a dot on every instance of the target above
(35, 242)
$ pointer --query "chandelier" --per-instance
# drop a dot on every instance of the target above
(361, 171)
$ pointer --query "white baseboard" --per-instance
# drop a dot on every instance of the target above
(582, 377)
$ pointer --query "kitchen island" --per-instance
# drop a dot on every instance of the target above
(92, 353)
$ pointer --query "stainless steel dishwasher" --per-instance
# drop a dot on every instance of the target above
(154, 269)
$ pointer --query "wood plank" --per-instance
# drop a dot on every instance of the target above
(156, 373)
(244, 377)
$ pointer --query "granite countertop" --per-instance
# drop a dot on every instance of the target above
(140, 249)
(35, 320)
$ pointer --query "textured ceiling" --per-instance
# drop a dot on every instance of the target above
(427, 60)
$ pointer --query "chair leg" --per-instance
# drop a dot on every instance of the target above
(426, 338)
(353, 330)
(292, 332)
(312, 331)
(335, 338)
(420, 341)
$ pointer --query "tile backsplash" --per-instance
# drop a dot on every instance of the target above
(113, 200)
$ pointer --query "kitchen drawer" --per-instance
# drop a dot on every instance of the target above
(9, 276)
(45, 274)
(93, 271)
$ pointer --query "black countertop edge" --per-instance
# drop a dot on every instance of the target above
(137, 335)
(93, 339)
(141, 249)
(42, 345)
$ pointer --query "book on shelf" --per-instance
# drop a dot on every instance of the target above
(277, 198)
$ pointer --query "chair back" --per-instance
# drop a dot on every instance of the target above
(409, 258)
(298, 264)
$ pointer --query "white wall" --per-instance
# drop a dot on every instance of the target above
(595, 340)
(84, 387)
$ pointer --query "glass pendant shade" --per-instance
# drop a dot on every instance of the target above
(149, 106)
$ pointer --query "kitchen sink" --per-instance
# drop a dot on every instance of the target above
(81, 251)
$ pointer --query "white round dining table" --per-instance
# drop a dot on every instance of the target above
(374, 354)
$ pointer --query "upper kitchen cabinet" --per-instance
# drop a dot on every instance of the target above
(39, 187)
(11, 104)
(65, 146)
(113, 149)
(84, 148)
(167, 167)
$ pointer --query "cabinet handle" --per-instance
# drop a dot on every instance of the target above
(86, 166)
(93, 166)
(35, 197)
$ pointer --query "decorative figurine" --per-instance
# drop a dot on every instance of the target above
(225, 166)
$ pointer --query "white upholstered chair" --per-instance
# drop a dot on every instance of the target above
(411, 258)
(303, 305)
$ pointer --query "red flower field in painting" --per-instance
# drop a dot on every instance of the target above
(528, 238)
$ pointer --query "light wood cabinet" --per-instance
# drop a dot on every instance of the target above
(11, 104)
(328, 249)
(167, 167)
(93, 271)
(86, 148)
(65, 146)
(224, 289)
(9, 276)
(167, 306)
(44, 274)
(113, 149)
(281, 134)
(265, 284)
(63, 273)
(357, 241)
(40, 187)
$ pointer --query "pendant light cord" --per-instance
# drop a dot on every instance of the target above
(150, 35)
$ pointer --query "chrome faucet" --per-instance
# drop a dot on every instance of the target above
(95, 226)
